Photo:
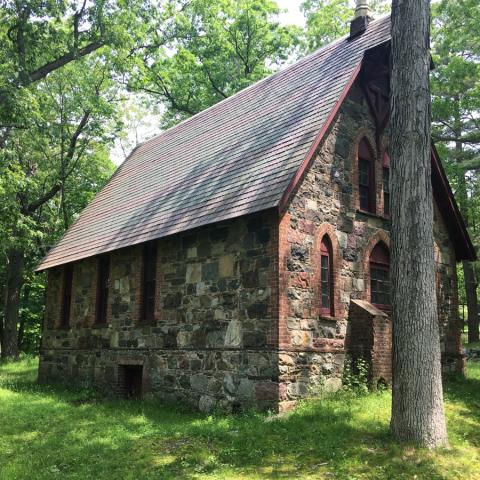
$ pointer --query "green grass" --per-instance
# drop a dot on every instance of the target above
(465, 340)
(49, 433)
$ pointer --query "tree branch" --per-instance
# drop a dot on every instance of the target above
(29, 209)
(43, 71)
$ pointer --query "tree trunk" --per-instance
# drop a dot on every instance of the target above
(21, 324)
(13, 285)
(417, 404)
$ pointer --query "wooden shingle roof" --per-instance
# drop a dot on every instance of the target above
(238, 157)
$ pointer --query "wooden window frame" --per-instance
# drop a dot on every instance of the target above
(149, 282)
(386, 191)
(366, 157)
(66, 296)
(379, 261)
(103, 284)
(326, 254)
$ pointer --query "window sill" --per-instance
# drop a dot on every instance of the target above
(328, 318)
(373, 215)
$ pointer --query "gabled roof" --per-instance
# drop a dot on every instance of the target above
(240, 156)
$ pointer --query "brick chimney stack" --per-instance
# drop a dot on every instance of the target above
(361, 19)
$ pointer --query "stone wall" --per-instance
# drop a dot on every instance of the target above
(213, 339)
(326, 202)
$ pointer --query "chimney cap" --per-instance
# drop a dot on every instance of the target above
(361, 18)
(362, 9)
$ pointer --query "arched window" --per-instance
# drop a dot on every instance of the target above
(380, 276)
(386, 184)
(326, 277)
(366, 176)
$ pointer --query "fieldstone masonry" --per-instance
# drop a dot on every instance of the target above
(238, 321)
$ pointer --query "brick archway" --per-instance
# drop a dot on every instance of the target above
(380, 236)
(329, 230)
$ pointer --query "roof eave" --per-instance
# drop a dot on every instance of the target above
(464, 249)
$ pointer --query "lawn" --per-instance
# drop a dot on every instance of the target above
(49, 433)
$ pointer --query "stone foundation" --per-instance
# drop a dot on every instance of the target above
(204, 379)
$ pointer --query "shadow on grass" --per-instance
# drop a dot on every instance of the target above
(51, 433)
(464, 393)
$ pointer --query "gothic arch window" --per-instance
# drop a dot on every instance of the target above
(380, 276)
(366, 176)
(326, 276)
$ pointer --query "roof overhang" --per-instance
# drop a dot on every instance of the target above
(442, 192)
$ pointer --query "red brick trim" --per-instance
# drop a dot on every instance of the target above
(329, 230)
(53, 300)
(92, 321)
(379, 236)
(274, 282)
(93, 293)
(59, 320)
(383, 147)
(137, 280)
(283, 276)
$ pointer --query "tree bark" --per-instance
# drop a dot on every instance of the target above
(13, 286)
(417, 404)
(21, 324)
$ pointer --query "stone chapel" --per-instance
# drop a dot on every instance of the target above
(237, 258)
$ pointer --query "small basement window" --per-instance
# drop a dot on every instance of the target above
(130, 380)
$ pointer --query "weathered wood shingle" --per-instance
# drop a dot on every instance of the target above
(235, 158)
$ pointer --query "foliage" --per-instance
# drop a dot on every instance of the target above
(356, 376)
(51, 170)
(49, 433)
(58, 107)
(455, 85)
(328, 20)
(211, 50)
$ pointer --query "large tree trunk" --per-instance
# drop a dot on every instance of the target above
(417, 406)
(13, 286)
